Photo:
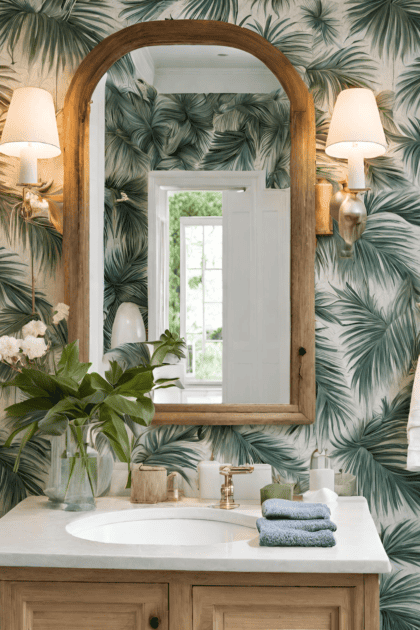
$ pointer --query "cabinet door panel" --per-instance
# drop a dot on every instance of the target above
(274, 608)
(70, 606)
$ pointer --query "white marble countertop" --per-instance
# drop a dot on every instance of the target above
(34, 535)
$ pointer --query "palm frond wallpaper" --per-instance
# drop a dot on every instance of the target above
(366, 308)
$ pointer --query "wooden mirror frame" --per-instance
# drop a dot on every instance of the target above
(301, 409)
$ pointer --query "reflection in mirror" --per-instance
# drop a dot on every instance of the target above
(197, 218)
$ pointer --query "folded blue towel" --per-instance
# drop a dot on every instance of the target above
(273, 534)
(282, 509)
(314, 525)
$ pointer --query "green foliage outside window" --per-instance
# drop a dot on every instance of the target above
(185, 204)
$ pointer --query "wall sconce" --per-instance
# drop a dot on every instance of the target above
(31, 133)
(355, 133)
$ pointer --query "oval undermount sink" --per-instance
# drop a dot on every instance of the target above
(165, 526)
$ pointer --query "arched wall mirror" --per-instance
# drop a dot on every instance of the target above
(228, 256)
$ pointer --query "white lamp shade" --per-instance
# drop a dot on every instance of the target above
(128, 326)
(356, 126)
(31, 122)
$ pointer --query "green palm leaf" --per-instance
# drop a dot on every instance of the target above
(9, 197)
(409, 145)
(39, 237)
(334, 407)
(392, 25)
(279, 177)
(380, 342)
(385, 101)
(142, 129)
(402, 542)
(231, 150)
(6, 90)
(144, 10)
(378, 448)
(123, 155)
(271, 6)
(28, 480)
(404, 203)
(12, 320)
(274, 134)
(14, 291)
(52, 32)
(126, 208)
(325, 306)
(247, 445)
(286, 37)
(348, 67)
(122, 71)
(408, 86)
(384, 252)
(125, 281)
(319, 16)
(381, 172)
(221, 10)
(232, 111)
(194, 123)
(175, 448)
(187, 157)
(399, 601)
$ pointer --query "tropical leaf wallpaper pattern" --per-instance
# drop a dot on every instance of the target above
(367, 308)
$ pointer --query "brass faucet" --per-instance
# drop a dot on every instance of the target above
(227, 501)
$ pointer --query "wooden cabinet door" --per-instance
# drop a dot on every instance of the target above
(276, 608)
(90, 606)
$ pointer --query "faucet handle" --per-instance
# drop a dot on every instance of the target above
(228, 469)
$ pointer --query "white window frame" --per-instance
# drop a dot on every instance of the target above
(161, 183)
(185, 222)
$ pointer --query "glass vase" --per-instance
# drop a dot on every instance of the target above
(68, 482)
(78, 496)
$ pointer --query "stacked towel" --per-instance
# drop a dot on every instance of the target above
(282, 509)
(293, 524)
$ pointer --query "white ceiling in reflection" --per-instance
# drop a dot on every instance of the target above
(209, 69)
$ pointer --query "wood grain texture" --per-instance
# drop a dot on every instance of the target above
(149, 485)
(218, 578)
(372, 613)
(302, 176)
(180, 605)
(36, 597)
(51, 605)
(253, 608)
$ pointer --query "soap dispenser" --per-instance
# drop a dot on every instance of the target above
(321, 475)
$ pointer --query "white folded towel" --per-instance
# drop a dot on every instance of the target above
(413, 426)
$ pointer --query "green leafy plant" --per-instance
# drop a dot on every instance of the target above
(73, 399)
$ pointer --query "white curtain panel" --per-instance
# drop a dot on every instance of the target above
(413, 427)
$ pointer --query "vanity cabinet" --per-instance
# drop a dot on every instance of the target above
(72, 606)
(99, 599)
(254, 608)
